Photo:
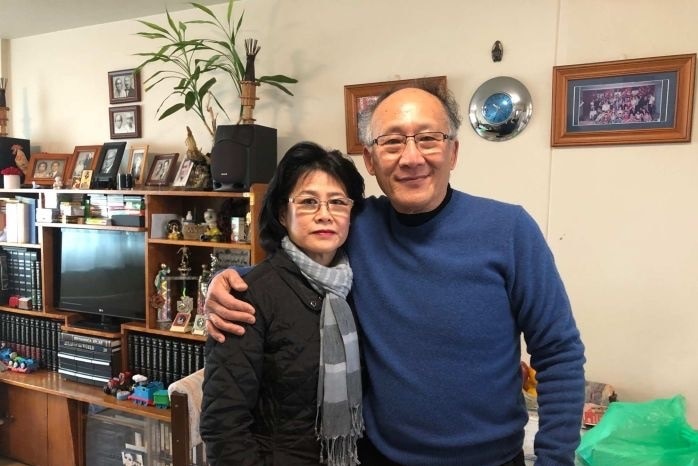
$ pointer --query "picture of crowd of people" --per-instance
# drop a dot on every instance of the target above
(633, 103)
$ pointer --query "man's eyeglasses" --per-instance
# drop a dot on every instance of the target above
(311, 204)
(428, 142)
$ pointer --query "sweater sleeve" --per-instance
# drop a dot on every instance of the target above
(232, 378)
(544, 314)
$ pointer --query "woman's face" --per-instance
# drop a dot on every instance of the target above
(321, 233)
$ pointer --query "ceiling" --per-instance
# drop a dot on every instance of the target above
(22, 18)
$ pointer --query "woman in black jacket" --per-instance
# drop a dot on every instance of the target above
(288, 392)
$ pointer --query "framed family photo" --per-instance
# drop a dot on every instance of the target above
(84, 158)
(642, 100)
(125, 122)
(124, 86)
(137, 163)
(44, 168)
(162, 170)
(359, 97)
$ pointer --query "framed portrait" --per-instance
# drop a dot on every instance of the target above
(183, 173)
(44, 168)
(137, 163)
(642, 100)
(110, 159)
(84, 158)
(124, 86)
(180, 323)
(359, 97)
(162, 170)
(125, 122)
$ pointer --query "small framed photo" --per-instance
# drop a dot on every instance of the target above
(125, 122)
(183, 173)
(110, 158)
(85, 179)
(359, 97)
(137, 163)
(124, 86)
(181, 322)
(162, 170)
(199, 325)
(84, 158)
(44, 168)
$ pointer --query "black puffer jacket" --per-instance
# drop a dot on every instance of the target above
(260, 390)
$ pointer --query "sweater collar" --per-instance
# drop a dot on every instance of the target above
(413, 220)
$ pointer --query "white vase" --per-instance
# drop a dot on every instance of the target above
(10, 181)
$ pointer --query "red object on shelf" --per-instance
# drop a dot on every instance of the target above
(14, 301)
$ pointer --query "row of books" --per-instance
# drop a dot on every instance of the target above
(164, 359)
(31, 337)
(24, 274)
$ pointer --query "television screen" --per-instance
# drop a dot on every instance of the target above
(102, 273)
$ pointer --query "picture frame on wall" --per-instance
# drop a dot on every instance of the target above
(162, 170)
(44, 168)
(137, 163)
(636, 101)
(124, 86)
(125, 122)
(84, 158)
(359, 97)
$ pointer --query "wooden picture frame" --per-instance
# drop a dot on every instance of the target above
(43, 168)
(84, 158)
(162, 170)
(119, 90)
(637, 101)
(137, 163)
(180, 323)
(125, 122)
(359, 97)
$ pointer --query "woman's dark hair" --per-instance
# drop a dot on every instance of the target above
(299, 160)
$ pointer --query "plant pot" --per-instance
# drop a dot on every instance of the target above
(10, 181)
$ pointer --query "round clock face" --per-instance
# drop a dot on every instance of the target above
(497, 108)
(500, 108)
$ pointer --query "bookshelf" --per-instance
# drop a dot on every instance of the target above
(148, 347)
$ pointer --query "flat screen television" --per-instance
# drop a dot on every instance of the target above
(102, 275)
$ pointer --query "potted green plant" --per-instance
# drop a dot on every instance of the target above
(190, 62)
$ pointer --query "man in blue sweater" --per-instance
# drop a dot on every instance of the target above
(445, 283)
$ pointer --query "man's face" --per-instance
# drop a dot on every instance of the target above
(127, 82)
(129, 121)
(413, 182)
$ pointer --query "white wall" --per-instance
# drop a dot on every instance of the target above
(621, 220)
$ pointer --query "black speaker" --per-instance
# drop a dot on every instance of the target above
(242, 155)
(13, 157)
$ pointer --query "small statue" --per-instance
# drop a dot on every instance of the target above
(174, 229)
(213, 233)
(57, 182)
(214, 264)
(184, 268)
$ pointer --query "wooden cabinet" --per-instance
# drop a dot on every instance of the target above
(46, 414)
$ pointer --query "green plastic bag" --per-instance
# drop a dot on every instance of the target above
(654, 433)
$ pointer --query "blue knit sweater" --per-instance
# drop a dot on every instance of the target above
(441, 307)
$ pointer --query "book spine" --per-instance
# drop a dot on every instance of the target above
(176, 360)
(89, 340)
(131, 361)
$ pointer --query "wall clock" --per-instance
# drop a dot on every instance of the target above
(500, 108)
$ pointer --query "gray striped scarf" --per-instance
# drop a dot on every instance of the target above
(339, 423)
